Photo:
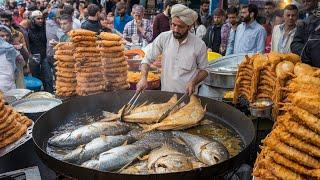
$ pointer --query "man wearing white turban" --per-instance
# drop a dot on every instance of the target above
(184, 56)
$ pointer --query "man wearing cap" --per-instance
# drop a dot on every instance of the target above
(184, 55)
(38, 45)
(139, 26)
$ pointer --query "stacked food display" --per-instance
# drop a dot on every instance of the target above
(65, 69)
(115, 66)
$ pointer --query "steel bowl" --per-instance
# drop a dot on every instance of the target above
(261, 108)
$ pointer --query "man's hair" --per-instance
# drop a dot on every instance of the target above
(218, 12)
(204, 2)
(232, 10)
(252, 8)
(93, 9)
(6, 14)
(169, 3)
(67, 9)
(291, 7)
(120, 5)
(66, 17)
(270, 3)
(278, 13)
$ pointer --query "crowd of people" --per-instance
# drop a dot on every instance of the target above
(29, 29)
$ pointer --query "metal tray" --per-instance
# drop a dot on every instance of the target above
(21, 141)
(18, 93)
(36, 101)
(227, 64)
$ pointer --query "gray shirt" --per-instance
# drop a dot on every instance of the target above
(181, 62)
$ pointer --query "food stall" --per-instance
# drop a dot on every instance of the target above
(97, 134)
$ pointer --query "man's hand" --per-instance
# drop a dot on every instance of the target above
(190, 88)
(142, 84)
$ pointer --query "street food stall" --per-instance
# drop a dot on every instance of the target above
(96, 134)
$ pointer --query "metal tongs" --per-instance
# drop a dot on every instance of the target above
(130, 105)
(165, 114)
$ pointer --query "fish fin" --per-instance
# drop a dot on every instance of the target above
(148, 128)
(125, 143)
(124, 167)
(144, 158)
(178, 140)
(206, 122)
(205, 108)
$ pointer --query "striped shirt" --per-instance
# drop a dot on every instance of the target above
(131, 29)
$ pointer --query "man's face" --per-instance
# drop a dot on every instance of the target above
(110, 22)
(179, 28)
(65, 25)
(104, 22)
(278, 20)
(309, 4)
(205, 7)
(138, 16)
(6, 22)
(268, 10)
(290, 17)
(217, 19)
(121, 11)
(38, 21)
(232, 19)
(5, 36)
(245, 15)
(40, 4)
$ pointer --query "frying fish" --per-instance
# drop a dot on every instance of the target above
(87, 133)
(95, 147)
(146, 114)
(140, 167)
(121, 156)
(186, 117)
(207, 151)
(166, 160)
(150, 113)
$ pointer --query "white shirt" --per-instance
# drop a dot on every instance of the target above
(181, 62)
(279, 42)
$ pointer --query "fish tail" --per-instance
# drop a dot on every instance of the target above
(148, 128)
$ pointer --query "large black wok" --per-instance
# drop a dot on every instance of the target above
(112, 101)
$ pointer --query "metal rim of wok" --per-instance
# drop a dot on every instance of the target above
(112, 101)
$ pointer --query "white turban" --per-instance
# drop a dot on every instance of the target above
(184, 13)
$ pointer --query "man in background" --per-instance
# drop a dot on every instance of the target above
(161, 22)
(66, 25)
(206, 18)
(69, 10)
(269, 9)
(122, 17)
(250, 36)
(92, 23)
(139, 27)
(283, 34)
(213, 35)
(232, 14)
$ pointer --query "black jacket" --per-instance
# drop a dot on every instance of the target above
(38, 40)
(92, 25)
(213, 38)
(306, 41)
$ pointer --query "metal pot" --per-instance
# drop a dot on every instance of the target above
(261, 111)
(112, 101)
(223, 71)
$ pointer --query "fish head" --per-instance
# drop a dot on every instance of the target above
(213, 153)
(172, 163)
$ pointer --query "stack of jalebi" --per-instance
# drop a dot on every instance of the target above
(66, 82)
(88, 67)
(115, 66)
(12, 124)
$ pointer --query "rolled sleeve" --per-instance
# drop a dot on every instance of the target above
(153, 52)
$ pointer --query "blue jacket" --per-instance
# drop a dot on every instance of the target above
(119, 22)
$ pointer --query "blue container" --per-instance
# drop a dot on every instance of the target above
(32, 83)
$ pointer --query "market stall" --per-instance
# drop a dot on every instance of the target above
(93, 132)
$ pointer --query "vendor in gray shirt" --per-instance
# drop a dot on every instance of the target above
(184, 56)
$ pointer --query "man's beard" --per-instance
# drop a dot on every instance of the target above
(246, 19)
(179, 36)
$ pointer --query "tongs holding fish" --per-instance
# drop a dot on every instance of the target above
(167, 112)
(130, 105)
